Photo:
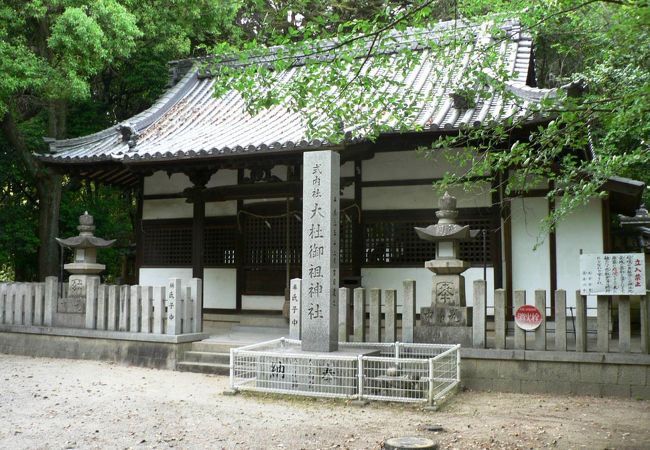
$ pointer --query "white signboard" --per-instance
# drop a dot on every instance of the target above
(612, 274)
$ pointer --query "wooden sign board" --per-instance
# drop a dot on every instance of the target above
(612, 274)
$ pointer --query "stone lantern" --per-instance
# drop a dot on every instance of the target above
(84, 266)
(448, 319)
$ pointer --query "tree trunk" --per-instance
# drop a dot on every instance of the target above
(49, 188)
(49, 201)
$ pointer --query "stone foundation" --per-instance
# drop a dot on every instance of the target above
(162, 354)
(534, 372)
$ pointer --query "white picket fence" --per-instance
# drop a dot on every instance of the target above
(173, 309)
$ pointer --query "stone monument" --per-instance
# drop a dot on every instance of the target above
(71, 308)
(448, 319)
(320, 251)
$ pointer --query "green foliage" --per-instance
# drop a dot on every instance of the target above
(604, 44)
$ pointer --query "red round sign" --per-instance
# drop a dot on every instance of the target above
(528, 317)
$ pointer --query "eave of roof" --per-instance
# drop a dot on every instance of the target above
(188, 122)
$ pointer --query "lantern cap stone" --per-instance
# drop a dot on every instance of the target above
(85, 239)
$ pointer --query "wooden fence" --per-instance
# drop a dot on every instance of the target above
(364, 317)
(581, 341)
(173, 309)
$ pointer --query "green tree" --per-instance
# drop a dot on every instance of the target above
(73, 67)
(48, 52)
(598, 49)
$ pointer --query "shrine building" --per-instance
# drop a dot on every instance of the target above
(220, 191)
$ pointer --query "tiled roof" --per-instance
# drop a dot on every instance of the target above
(188, 121)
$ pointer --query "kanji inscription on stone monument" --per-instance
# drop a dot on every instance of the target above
(320, 251)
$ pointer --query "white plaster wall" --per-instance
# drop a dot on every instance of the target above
(161, 183)
(223, 177)
(423, 197)
(347, 169)
(171, 208)
(410, 164)
(218, 209)
(161, 276)
(262, 302)
(531, 269)
(220, 288)
(392, 278)
(581, 230)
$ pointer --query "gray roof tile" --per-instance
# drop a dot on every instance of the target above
(189, 121)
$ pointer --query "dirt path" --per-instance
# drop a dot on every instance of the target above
(55, 404)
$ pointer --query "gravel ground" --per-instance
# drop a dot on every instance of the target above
(57, 404)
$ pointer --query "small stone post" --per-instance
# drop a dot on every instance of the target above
(146, 308)
(135, 309)
(602, 324)
(374, 332)
(196, 285)
(581, 322)
(408, 311)
(295, 292)
(3, 288)
(113, 307)
(540, 332)
(390, 315)
(624, 332)
(19, 293)
(188, 309)
(645, 324)
(173, 308)
(92, 285)
(478, 314)
(28, 295)
(158, 309)
(39, 296)
(102, 306)
(51, 295)
(520, 335)
(560, 320)
(344, 305)
(359, 315)
(124, 302)
(500, 318)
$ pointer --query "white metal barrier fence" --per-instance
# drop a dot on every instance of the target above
(400, 372)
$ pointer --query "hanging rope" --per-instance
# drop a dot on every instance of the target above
(295, 213)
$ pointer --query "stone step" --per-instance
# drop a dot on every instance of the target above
(263, 320)
(216, 347)
(202, 367)
(206, 357)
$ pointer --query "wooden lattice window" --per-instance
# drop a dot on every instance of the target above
(389, 238)
(167, 243)
(265, 241)
(220, 244)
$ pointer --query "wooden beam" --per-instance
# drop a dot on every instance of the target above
(280, 189)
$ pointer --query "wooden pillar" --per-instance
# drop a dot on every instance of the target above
(552, 247)
(139, 241)
(198, 238)
(507, 248)
(357, 225)
(199, 179)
